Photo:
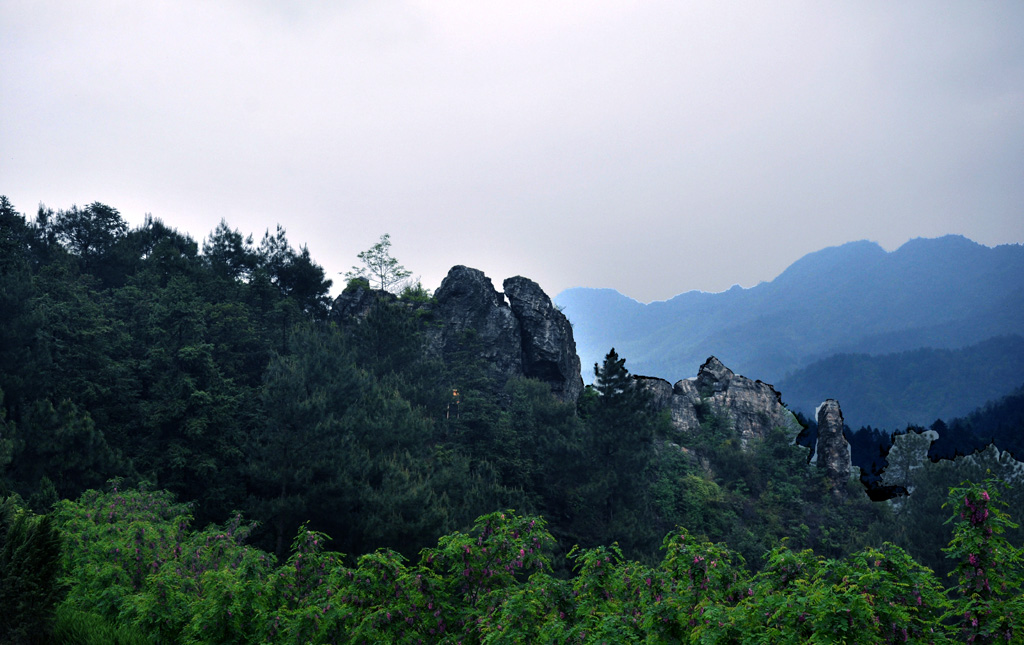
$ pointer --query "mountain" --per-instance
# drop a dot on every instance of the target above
(943, 293)
(914, 387)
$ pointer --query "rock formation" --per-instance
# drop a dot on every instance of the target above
(355, 302)
(526, 336)
(908, 453)
(468, 310)
(751, 408)
(832, 451)
(549, 350)
(523, 336)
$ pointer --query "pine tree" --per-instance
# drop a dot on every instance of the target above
(620, 431)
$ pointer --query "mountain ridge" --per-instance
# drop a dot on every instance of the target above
(948, 292)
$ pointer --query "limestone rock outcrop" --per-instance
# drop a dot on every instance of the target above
(832, 452)
(523, 335)
(548, 347)
(751, 408)
(907, 453)
(355, 302)
(469, 310)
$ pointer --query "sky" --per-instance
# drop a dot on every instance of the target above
(650, 147)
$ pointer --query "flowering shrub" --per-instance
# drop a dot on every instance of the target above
(132, 558)
(988, 605)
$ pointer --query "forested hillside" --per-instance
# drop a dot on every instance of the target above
(212, 371)
(188, 426)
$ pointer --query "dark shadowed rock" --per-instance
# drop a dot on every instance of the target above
(659, 389)
(526, 336)
(548, 348)
(751, 408)
(355, 302)
(467, 303)
(832, 452)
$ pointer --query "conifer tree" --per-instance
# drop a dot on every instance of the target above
(620, 430)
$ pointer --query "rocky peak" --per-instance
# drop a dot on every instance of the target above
(526, 336)
(714, 377)
(469, 292)
(548, 347)
(832, 451)
(467, 302)
(523, 336)
(751, 408)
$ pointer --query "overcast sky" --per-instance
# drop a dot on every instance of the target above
(651, 147)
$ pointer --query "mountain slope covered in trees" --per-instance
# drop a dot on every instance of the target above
(150, 383)
(214, 371)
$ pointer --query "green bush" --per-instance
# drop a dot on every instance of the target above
(495, 584)
(30, 586)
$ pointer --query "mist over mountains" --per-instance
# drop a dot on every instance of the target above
(856, 300)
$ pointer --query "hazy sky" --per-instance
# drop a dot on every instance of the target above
(651, 147)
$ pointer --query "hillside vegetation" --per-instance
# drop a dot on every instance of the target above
(189, 444)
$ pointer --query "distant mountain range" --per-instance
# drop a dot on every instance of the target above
(948, 293)
(915, 387)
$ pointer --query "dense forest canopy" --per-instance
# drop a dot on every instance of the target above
(135, 360)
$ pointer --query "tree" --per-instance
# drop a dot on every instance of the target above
(297, 459)
(618, 445)
(230, 255)
(989, 569)
(379, 267)
(90, 233)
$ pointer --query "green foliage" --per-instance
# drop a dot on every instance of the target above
(416, 293)
(875, 596)
(30, 586)
(379, 268)
(989, 570)
(493, 584)
(74, 627)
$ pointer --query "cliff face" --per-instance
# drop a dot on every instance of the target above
(832, 451)
(752, 408)
(469, 311)
(548, 347)
(524, 335)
